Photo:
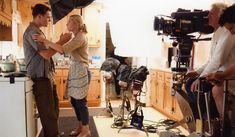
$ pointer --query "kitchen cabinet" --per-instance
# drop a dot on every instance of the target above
(18, 109)
(94, 92)
(157, 85)
(24, 8)
(161, 98)
(91, 15)
(93, 19)
(6, 20)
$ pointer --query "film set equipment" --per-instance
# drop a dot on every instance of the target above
(108, 68)
(123, 73)
(135, 78)
(179, 26)
(223, 126)
(182, 23)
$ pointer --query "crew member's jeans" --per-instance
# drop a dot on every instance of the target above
(47, 104)
(207, 87)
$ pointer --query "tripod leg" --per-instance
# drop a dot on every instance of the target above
(145, 130)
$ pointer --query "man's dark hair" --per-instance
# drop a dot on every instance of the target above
(39, 9)
(228, 16)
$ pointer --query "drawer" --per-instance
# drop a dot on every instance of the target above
(153, 74)
(58, 72)
(168, 77)
(95, 72)
(160, 75)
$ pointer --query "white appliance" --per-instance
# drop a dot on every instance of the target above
(17, 108)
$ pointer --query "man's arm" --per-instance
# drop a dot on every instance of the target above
(48, 53)
(54, 46)
(228, 72)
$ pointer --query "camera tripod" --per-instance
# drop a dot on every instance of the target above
(120, 119)
(136, 114)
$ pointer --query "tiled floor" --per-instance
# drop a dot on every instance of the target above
(103, 124)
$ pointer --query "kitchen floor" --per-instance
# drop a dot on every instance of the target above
(103, 124)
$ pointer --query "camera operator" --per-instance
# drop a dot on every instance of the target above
(221, 54)
(227, 20)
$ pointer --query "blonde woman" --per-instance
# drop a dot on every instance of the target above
(79, 74)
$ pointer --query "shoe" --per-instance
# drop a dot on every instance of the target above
(74, 132)
(88, 134)
(61, 134)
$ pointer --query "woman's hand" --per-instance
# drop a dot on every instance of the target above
(64, 38)
(38, 38)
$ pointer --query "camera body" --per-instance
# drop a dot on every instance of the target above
(183, 22)
(178, 27)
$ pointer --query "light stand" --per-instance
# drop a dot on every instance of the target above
(136, 119)
(120, 119)
(107, 111)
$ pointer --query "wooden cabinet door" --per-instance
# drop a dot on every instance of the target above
(94, 89)
(153, 88)
(58, 87)
(160, 94)
(93, 20)
(64, 84)
(168, 99)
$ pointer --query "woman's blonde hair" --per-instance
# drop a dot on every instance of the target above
(79, 19)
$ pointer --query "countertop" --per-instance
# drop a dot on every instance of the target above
(67, 66)
(17, 79)
(162, 69)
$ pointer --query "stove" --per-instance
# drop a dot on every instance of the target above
(13, 74)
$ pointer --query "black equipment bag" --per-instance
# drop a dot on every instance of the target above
(137, 118)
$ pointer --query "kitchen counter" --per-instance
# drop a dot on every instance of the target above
(67, 66)
(17, 79)
(164, 69)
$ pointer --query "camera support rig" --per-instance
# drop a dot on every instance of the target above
(182, 23)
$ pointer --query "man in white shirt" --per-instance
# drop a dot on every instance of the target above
(221, 53)
(227, 20)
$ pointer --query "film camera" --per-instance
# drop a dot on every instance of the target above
(179, 26)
